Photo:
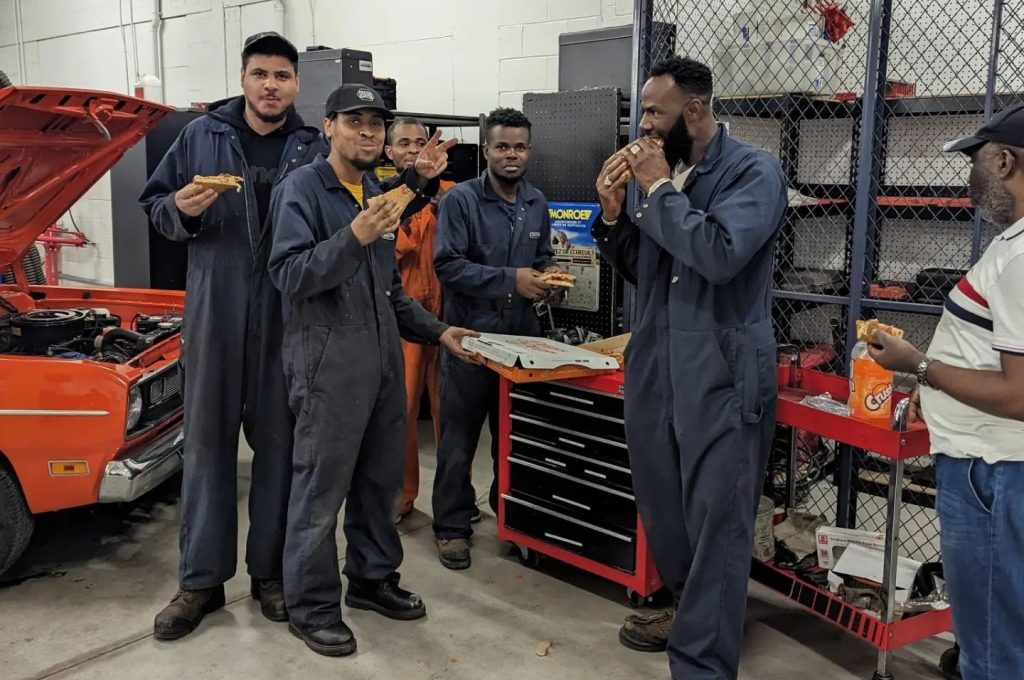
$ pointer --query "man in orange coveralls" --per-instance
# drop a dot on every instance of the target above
(414, 252)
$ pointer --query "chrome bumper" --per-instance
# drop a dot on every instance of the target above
(125, 479)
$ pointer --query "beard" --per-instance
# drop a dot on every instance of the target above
(363, 164)
(678, 144)
(992, 198)
(266, 117)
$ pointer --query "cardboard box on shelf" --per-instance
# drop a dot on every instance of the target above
(832, 541)
(867, 566)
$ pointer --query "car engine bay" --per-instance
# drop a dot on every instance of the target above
(81, 333)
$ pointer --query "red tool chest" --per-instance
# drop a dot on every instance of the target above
(565, 488)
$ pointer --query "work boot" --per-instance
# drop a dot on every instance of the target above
(385, 598)
(647, 633)
(270, 595)
(335, 640)
(454, 553)
(186, 609)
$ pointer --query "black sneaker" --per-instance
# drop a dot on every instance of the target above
(476, 516)
(647, 633)
(385, 598)
(336, 640)
(270, 595)
(186, 609)
(454, 553)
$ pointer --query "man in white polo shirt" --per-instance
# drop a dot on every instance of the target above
(972, 397)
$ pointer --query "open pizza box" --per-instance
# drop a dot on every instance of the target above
(524, 359)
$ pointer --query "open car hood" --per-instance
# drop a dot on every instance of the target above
(55, 143)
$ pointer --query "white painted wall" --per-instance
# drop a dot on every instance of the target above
(448, 56)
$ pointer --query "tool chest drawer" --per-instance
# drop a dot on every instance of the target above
(593, 503)
(568, 417)
(604, 451)
(609, 547)
(561, 394)
(576, 463)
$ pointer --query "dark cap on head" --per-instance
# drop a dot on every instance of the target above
(355, 97)
(269, 42)
(1006, 127)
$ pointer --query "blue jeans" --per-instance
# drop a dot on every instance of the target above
(981, 511)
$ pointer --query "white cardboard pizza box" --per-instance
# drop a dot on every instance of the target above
(516, 351)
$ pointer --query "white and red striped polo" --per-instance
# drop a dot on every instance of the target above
(983, 318)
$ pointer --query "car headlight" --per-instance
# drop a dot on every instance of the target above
(134, 407)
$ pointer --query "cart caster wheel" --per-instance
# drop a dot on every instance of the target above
(636, 600)
(949, 663)
(529, 558)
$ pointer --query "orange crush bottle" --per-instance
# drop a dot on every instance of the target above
(870, 387)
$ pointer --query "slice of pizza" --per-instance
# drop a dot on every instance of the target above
(219, 183)
(866, 330)
(562, 279)
(401, 196)
(629, 149)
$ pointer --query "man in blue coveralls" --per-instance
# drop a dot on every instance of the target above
(345, 312)
(700, 367)
(493, 243)
(231, 340)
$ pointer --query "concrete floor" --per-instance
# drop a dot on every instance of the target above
(81, 604)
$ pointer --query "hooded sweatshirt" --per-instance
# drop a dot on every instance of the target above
(262, 152)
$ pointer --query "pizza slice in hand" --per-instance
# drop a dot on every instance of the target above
(219, 183)
(561, 279)
(866, 330)
(401, 196)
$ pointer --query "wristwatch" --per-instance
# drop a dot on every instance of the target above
(922, 372)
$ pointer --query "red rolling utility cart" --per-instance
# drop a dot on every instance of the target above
(896, 442)
(564, 482)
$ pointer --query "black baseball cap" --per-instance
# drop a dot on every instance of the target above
(1006, 127)
(355, 97)
(258, 42)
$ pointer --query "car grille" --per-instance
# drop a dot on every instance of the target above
(161, 398)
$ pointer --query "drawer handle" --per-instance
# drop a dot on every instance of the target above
(569, 502)
(572, 443)
(563, 540)
(557, 463)
(579, 400)
(595, 474)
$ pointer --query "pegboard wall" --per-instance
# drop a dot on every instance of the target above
(573, 134)
(826, 151)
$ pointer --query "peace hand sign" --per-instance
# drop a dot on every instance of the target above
(433, 159)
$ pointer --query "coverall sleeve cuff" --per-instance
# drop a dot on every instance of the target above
(600, 229)
(430, 189)
(183, 224)
(509, 287)
(440, 330)
(346, 242)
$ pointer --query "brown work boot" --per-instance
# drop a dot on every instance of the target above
(647, 633)
(270, 595)
(186, 610)
(454, 552)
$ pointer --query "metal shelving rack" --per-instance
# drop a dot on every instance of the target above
(875, 203)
